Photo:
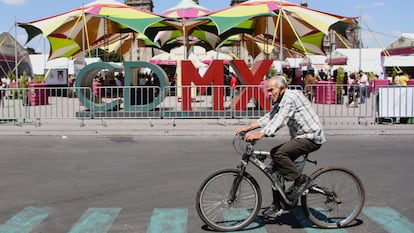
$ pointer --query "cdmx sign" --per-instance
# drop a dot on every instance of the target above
(214, 77)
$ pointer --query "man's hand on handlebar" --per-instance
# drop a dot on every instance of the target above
(250, 137)
(242, 131)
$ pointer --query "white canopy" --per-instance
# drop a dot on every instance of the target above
(401, 61)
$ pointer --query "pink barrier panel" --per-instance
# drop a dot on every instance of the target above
(325, 92)
(38, 95)
(410, 82)
(97, 91)
(380, 82)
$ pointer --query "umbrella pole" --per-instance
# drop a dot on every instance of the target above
(297, 36)
(16, 67)
(281, 32)
(185, 38)
(83, 37)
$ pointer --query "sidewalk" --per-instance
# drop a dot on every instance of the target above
(181, 127)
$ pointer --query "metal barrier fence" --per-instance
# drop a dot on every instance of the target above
(33, 104)
(394, 103)
(186, 102)
(216, 102)
(336, 100)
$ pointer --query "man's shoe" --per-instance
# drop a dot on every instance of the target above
(301, 185)
(272, 210)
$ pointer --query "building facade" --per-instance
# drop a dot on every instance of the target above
(147, 5)
(233, 2)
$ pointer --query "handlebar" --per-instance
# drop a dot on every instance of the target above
(240, 144)
(242, 134)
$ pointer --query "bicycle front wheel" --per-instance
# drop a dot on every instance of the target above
(219, 210)
(335, 199)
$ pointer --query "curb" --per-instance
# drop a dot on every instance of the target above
(179, 127)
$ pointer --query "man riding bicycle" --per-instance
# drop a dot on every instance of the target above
(291, 108)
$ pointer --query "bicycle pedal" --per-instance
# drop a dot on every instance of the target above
(279, 213)
(273, 213)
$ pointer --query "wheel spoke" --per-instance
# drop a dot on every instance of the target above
(342, 201)
(214, 207)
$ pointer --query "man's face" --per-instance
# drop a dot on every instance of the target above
(273, 91)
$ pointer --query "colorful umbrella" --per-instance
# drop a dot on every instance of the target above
(94, 22)
(120, 43)
(275, 18)
(185, 27)
(246, 41)
(186, 9)
(199, 37)
(47, 26)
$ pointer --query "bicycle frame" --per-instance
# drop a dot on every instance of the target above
(257, 158)
(322, 202)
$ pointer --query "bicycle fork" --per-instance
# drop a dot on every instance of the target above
(236, 183)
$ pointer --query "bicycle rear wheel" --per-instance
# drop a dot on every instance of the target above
(218, 211)
(335, 199)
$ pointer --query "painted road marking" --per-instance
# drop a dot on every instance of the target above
(99, 220)
(240, 214)
(168, 221)
(308, 226)
(389, 219)
(26, 220)
(96, 220)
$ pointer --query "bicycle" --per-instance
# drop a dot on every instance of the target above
(230, 199)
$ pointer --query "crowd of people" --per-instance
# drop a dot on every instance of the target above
(356, 85)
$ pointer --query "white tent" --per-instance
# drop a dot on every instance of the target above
(9, 55)
(368, 60)
(40, 63)
(315, 62)
(178, 54)
(398, 61)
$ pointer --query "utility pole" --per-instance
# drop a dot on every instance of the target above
(16, 66)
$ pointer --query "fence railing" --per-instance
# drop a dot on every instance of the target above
(214, 102)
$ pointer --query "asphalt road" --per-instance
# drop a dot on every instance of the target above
(54, 184)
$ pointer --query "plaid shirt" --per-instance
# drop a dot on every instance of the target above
(296, 112)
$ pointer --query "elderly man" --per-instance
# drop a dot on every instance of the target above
(291, 108)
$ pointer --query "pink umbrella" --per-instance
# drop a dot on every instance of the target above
(185, 11)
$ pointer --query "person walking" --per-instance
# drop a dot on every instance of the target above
(310, 80)
(404, 79)
(352, 91)
(2, 91)
(293, 109)
(363, 84)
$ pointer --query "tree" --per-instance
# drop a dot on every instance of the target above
(340, 75)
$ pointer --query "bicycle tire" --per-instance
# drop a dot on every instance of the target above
(342, 206)
(213, 206)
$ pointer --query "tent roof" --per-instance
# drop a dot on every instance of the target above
(404, 45)
(40, 62)
(370, 59)
(398, 61)
(8, 55)
(7, 51)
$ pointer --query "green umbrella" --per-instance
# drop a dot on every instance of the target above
(85, 26)
(286, 22)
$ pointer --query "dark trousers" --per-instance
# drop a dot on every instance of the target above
(285, 154)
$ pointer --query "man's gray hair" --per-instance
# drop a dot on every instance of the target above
(281, 81)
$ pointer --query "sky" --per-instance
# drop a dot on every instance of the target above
(383, 21)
